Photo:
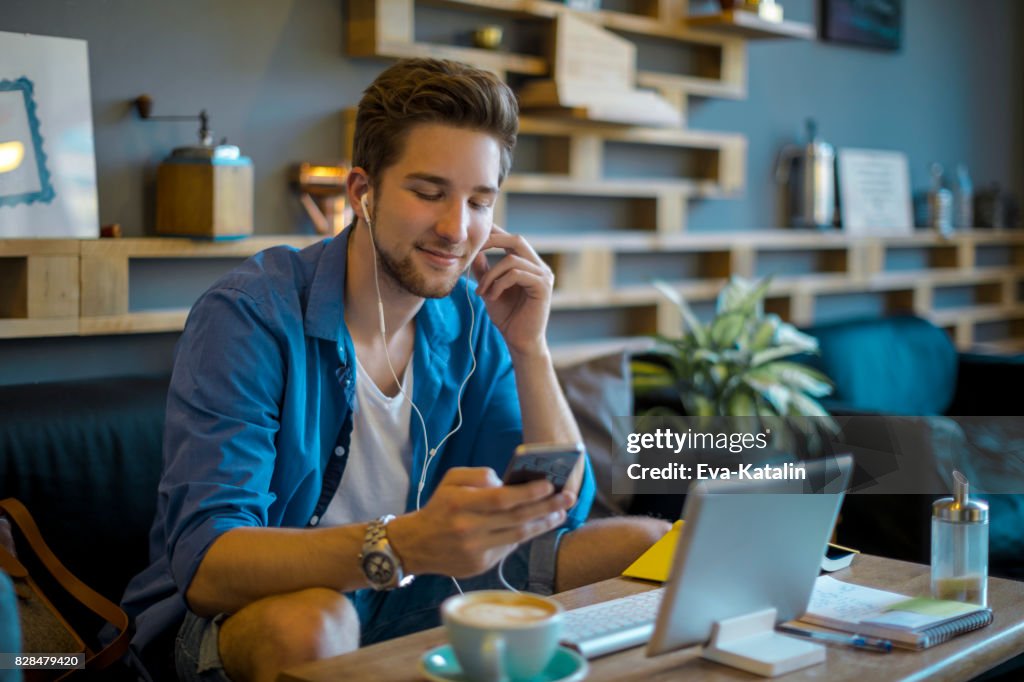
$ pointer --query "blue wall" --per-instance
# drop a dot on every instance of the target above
(274, 77)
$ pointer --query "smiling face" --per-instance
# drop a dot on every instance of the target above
(433, 208)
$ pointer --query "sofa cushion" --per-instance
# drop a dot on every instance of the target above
(897, 365)
(599, 391)
(85, 458)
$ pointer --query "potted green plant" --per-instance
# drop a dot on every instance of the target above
(736, 364)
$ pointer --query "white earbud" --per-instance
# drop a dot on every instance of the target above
(366, 211)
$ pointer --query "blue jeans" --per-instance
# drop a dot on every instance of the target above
(383, 615)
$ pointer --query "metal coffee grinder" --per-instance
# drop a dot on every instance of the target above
(809, 172)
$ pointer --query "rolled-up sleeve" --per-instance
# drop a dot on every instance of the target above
(223, 414)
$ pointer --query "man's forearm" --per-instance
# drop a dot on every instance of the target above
(546, 414)
(247, 564)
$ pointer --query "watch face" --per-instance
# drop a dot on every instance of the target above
(379, 568)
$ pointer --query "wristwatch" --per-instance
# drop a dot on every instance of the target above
(379, 561)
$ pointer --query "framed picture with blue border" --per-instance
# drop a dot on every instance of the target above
(47, 149)
(24, 177)
(866, 23)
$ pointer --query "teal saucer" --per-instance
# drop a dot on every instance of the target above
(439, 665)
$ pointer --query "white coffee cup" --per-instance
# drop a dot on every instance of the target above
(499, 635)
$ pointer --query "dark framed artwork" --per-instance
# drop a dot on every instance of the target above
(868, 23)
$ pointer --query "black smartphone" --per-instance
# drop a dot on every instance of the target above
(553, 461)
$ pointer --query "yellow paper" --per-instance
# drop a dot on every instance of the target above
(933, 607)
(655, 563)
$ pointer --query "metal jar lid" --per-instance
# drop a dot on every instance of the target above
(960, 508)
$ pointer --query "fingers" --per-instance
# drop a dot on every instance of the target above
(512, 243)
(508, 497)
(527, 531)
(490, 495)
(535, 285)
(522, 519)
(471, 477)
(508, 263)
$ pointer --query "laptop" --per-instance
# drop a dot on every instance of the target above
(747, 545)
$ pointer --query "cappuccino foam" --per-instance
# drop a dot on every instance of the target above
(493, 614)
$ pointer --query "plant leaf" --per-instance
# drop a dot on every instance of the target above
(796, 376)
(744, 295)
(787, 334)
(690, 320)
(764, 333)
(773, 354)
(809, 407)
(778, 395)
(726, 328)
(741, 404)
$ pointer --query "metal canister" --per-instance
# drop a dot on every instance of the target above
(809, 171)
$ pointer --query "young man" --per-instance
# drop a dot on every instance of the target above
(360, 397)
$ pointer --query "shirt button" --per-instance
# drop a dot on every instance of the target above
(315, 520)
(339, 451)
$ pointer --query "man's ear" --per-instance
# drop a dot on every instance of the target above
(357, 185)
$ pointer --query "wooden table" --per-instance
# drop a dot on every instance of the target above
(958, 659)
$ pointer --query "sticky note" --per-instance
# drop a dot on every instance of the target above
(656, 563)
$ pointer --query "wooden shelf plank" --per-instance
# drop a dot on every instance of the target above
(625, 22)
(946, 276)
(974, 314)
(39, 247)
(171, 247)
(690, 85)
(38, 327)
(488, 59)
(135, 323)
(669, 137)
(540, 183)
(580, 351)
(1010, 346)
(750, 26)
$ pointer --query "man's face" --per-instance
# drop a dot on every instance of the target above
(432, 209)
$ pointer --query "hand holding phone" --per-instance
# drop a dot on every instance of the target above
(552, 461)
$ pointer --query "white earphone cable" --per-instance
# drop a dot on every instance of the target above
(430, 453)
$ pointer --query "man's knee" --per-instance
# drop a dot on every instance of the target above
(602, 549)
(635, 534)
(287, 630)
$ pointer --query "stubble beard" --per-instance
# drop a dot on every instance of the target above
(404, 273)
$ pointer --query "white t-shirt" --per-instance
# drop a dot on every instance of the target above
(376, 478)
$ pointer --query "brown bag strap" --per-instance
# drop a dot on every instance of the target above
(90, 598)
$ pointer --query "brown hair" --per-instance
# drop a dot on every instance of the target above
(415, 91)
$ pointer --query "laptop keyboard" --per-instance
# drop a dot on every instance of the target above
(614, 625)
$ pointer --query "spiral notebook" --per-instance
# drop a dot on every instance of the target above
(909, 623)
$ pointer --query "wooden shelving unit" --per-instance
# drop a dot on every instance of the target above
(39, 281)
(750, 26)
(67, 287)
(970, 284)
(84, 287)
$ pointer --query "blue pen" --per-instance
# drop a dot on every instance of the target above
(882, 646)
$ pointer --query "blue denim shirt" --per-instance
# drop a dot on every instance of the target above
(259, 413)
